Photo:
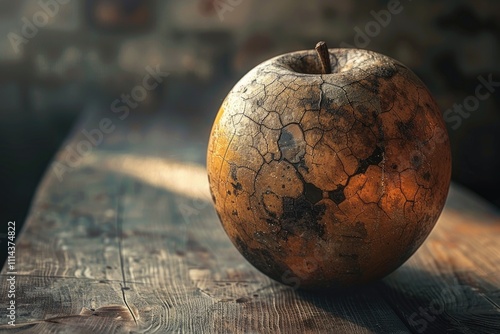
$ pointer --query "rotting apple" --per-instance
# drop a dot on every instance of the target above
(329, 167)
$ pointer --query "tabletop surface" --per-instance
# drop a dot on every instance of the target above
(122, 237)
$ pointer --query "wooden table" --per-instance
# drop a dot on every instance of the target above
(127, 240)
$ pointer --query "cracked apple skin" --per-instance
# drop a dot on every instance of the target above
(329, 180)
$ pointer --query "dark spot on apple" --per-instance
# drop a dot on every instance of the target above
(371, 84)
(234, 171)
(342, 119)
(416, 161)
(406, 129)
(271, 221)
(262, 259)
(286, 139)
(309, 103)
(360, 230)
(337, 195)
(301, 215)
(374, 159)
(362, 110)
(237, 188)
(286, 142)
(386, 71)
(312, 193)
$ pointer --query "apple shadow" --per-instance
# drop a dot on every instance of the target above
(412, 300)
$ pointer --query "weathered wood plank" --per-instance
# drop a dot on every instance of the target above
(128, 241)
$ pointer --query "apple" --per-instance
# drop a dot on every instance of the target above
(328, 168)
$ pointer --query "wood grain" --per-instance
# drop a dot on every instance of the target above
(128, 241)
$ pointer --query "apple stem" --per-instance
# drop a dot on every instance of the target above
(324, 56)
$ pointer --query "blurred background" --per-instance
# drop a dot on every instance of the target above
(59, 57)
